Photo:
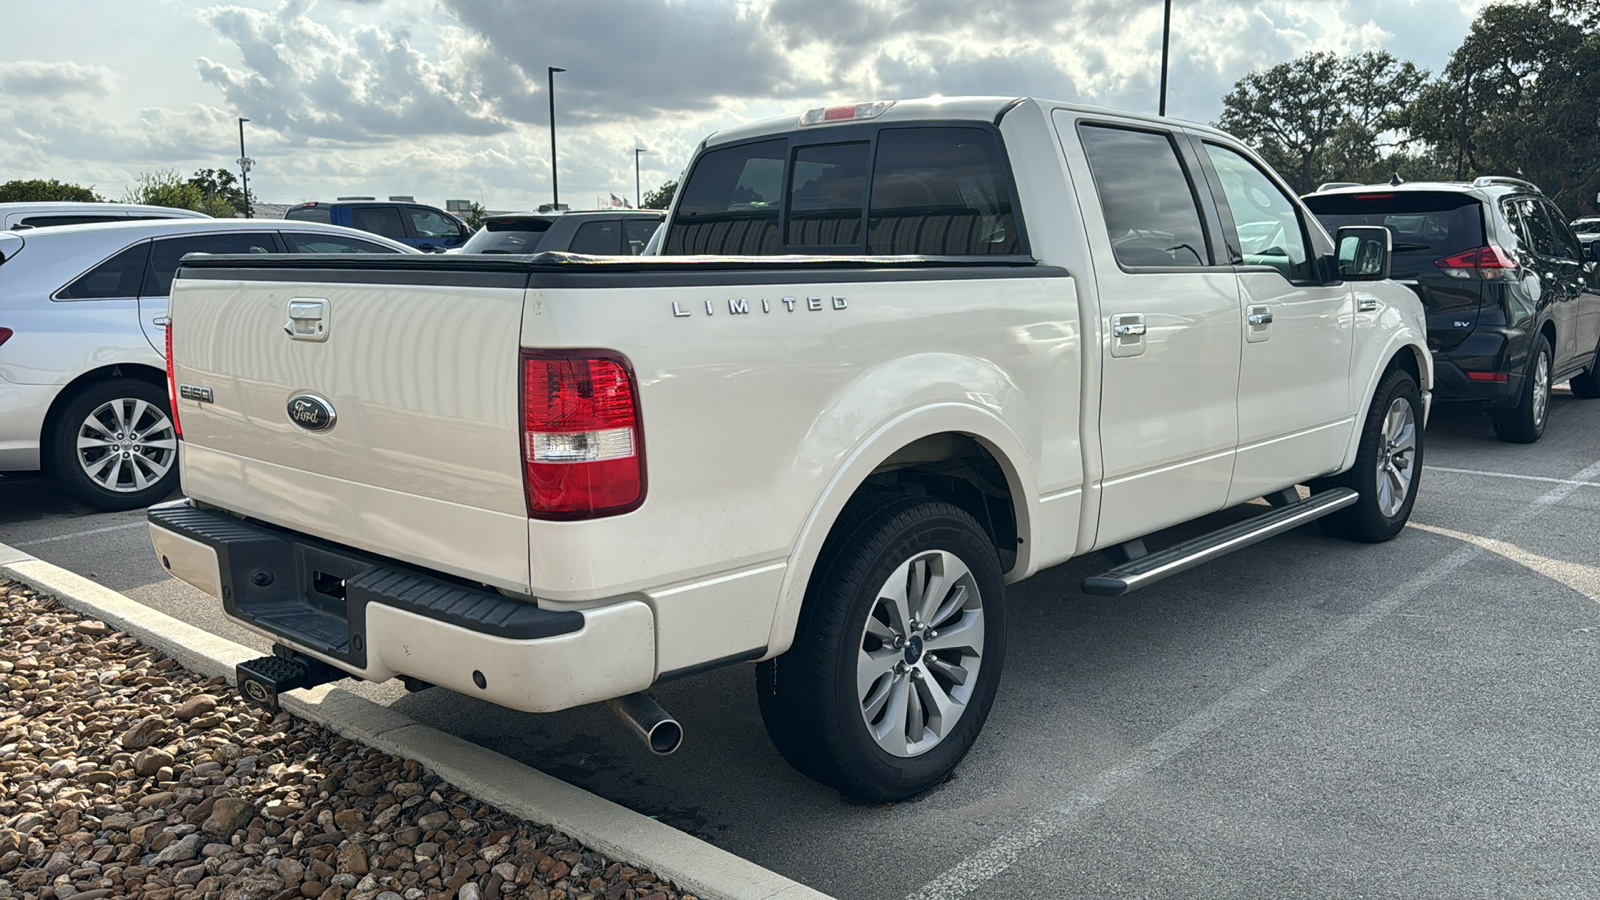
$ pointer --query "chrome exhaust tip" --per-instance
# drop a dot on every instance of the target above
(647, 720)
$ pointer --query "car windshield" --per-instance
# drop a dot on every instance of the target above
(507, 236)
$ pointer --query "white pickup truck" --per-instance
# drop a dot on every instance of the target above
(983, 336)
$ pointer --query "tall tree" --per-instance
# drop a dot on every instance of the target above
(661, 197)
(218, 186)
(1519, 97)
(167, 188)
(40, 190)
(1324, 117)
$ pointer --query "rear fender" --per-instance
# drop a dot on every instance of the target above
(981, 424)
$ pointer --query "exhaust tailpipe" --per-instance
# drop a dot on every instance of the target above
(646, 719)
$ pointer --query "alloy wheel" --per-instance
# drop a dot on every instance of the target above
(126, 445)
(920, 652)
(1397, 449)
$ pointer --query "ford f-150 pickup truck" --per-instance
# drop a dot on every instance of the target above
(900, 355)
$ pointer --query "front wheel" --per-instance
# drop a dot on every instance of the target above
(1388, 466)
(897, 656)
(114, 445)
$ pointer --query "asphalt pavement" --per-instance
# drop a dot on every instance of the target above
(1305, 718)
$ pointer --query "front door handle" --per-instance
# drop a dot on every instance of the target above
(1260, 318)
(1123, 329)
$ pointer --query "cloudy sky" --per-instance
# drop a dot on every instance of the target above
(446, 99)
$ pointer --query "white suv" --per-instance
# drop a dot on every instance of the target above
(82, 368)
(16, 216)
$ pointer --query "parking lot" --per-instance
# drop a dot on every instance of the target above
(1306, 718)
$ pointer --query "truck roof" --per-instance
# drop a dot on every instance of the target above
(977, 109)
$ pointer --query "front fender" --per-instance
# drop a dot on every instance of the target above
(1398, 325)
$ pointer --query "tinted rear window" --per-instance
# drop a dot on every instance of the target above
(731, 203)
(1426, 226)
(321, 214)
(936, 191)
(118, 276)
(384, 220)
(507, 236)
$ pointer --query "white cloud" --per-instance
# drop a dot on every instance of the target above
(31, 79)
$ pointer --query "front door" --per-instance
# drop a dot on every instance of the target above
(1295, 408)
(1170, 332)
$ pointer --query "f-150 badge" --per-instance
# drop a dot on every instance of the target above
(311, 412)
(744, 306)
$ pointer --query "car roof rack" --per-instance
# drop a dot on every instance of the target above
(1487, 180)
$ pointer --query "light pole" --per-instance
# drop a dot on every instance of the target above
(1166, 42)
(245, 163)
(638, 198)
(555, 189)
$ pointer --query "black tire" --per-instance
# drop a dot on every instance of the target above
(1587, 385)
(809, 696)
(1524, 423)
(65, 465)
(1367, 520)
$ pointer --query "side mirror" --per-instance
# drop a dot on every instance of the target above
(1364, 252)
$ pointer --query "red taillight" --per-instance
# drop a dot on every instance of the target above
(582, 450)
(172, 384)
(1487, 376)
(1491, 263)
(5, 335)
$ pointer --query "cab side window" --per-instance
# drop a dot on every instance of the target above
(638, 232)
(1528, 221)
(384, 220)
(1267, 221)
(430, 224)
(117, 277)
(1151, 214)
(597, 239)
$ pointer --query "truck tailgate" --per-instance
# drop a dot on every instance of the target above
(419, 459)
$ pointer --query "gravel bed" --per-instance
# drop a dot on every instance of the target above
(122, 775)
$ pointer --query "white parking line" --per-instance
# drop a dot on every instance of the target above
(79, 534)
(1578, 482)
(1584, 579)
(972, 873)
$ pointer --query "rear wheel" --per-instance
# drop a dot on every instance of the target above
(1388, 465)
(897, 655)
(1524, 423)
(114, 447)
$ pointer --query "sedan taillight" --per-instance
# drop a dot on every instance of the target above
(172, 385)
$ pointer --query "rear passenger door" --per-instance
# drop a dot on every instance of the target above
(162, 265)
(1170, 329)
(1295, 405)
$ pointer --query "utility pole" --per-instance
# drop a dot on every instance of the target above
(1166, 44)
(245, 163)
(555, 189)
(638, 198)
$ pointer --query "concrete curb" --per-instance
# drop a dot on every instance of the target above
(618, 832)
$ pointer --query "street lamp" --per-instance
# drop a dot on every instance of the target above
(1166, 42)
(245, 163)
(555, 190)
(638, 198)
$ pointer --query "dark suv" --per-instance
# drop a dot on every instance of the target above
(1513, 298)
(613, 232)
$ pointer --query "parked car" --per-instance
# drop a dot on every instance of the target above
(82, 370)
(999, 334)
(413, 224)
(46, 214)
(1587, 229)
(1513, 298)
(613, 232)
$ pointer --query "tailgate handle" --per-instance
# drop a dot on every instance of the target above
(308, 319)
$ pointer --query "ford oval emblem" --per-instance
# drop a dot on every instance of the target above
(311, 412)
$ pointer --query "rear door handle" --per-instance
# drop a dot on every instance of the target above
(1259, 318)
(1127, 334)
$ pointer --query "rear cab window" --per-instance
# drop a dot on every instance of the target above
(929, 190)
(321, 214)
